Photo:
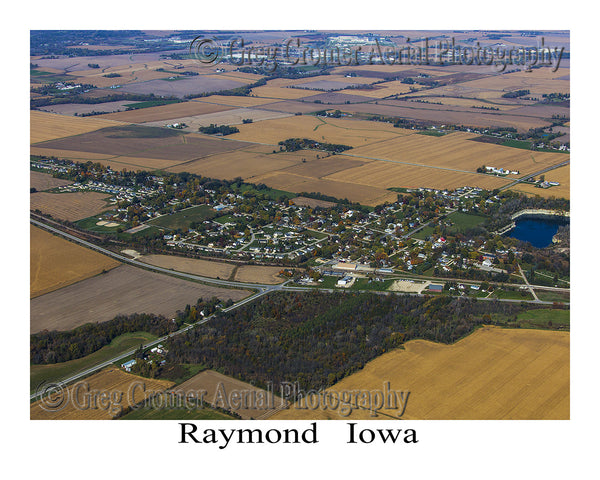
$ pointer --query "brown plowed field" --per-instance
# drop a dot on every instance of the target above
(69, 206)
(123, 290)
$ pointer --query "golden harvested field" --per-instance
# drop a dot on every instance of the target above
(195, 266)
(56, 263)
(44, 181)
(341, 131)
(364, 194)
(69, 154)
(69, 206)
(213, 387)
(258, 273)
(386, 174)
(491, 374)
(561, 175)
(246, 163)
(280, 92)
(129, 74)
(466, 102)
(234, 101)
(382, 90)
(124, 390)
(49, 126)
(164, 112)
(458, 151)
(321, 167)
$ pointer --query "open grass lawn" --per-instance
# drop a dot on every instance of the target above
(553, 296)
(90, 225)
(465, 221)
(423, 233)
(184, 218)
(543, 317)
(58, 371)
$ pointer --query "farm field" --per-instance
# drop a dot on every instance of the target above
(79, 108)
(233, 116)
(123, 290)
(56, 263)
(355, 192)
(382, 90)
(145, 142)
(258, 273)
(44, 181)
(50, 126)
(165, 112)
(458, 151)
(184, 86)
(234, 100)
(561, 175)
(55, 372)
(312, 202)
(214, 383)
(339, 131)
(493, 373)
(69, 206)
(283, 93)
(110, 379)
(382, 174)
(196, 266)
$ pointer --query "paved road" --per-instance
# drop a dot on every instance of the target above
(547, 169)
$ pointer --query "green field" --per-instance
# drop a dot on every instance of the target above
(465, 221)
(58, 371)
(432, 133)
(544, 318)
(150, 103)
(184, 218)
(553, 296)
(364, 284)
(423, 233)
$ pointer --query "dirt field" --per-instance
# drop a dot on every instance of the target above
(311, 202)
(255, 403)
(45, 181)
(258, 273)
(195, 266)
(233, 116)
(185, 86)
(561, 175)
(49, 126)
(56, 263)
(70, 206)
(79, 108)
(165, 112)
(283, 93)
(408, 286)
(123, 290)
(234, 101)
(124, 389)
(491, 374)
(117, 142)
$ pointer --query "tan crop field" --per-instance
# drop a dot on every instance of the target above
(125, 391)
(234, 101)
(386, 174)
(231, 116)
(44, 181)
(215, 389)
(284, 93)
(258, 273)
(49, 126)
(355, 192)
(321, 167)
(561, 175)
(56, 263)
(69, 206)
(165, 112)
(340, 131)
(382, 90)
(123, 290)
(458, 151)
(491, 374)
(195, 266)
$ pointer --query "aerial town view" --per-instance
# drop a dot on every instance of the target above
(299, 225)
